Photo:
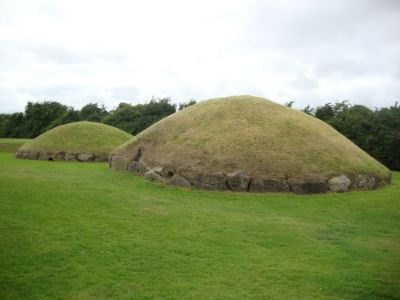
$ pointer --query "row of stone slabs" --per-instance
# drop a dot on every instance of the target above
(84, 157)
(240, 181)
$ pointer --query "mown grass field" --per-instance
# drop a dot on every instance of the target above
(83, 231)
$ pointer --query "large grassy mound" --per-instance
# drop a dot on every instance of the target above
(250, 143)
(85, 141)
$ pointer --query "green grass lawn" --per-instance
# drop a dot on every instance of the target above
(82, 231)
(11, 145)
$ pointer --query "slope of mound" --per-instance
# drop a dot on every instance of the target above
(84, 141)
(249, 143)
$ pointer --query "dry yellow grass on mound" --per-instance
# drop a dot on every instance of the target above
(251, 134)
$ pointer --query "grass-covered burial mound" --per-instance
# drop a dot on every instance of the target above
(78, 141)
(246, 143)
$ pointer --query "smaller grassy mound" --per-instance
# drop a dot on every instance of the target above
(83, 141)
(11, 145)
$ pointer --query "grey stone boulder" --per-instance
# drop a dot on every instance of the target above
(59, 156)
(213, 181)
(19, 154)
(158, 170)
(307, 187)
(366, 182)
(167, 171)
(153, 176)
(178, 181)
(142, 167)
(70, 156)
(45, 156)
(118, 163)
(339, 184)
(133, 166)
(268, 185)
(84, 157)
(101, 157)
(238, 181)
(32, 155)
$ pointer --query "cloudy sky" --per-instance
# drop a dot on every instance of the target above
(308, 51)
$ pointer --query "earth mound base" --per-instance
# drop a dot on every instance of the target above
(62, 156)
(240, 181)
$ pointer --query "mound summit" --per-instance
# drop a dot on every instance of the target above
(246, 143)
(83, 141)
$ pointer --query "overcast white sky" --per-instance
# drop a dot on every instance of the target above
(308, 51)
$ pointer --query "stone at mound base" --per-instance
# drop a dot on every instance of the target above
(45, 156)
(339, 184)
(61, 156)
(366, 182)
(153, 176)
(250, 144)
(178, 181)
(238, 181)
(271, 185)
(307, 187)
(85, 157)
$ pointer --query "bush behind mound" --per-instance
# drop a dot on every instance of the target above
(83, 141)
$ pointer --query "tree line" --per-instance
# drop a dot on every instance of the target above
(42, 116)
(375, 131)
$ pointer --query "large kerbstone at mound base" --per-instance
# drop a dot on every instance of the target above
(250, 144)
(339, 184)
(178, 181)
(79, 141)
(271, 185)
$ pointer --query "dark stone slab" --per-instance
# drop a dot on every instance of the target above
(59, 156)
(178, 181)
(153, 176)
(307, 187)
(238, 181)
(268, 185)
(215, 181)
(366, 182)
(118, 163)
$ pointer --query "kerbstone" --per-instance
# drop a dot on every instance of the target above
(339, 184)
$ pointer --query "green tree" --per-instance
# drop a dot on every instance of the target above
(289, 104)
(13, 126)
(152, 112)
(325, 112)
(386, 136)
(186, 104)
(123, 117)
(356, 123)
(3, 121)
(69, 116)
(135, 118)
(38, 116)
(308, 110)
(92, 112)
